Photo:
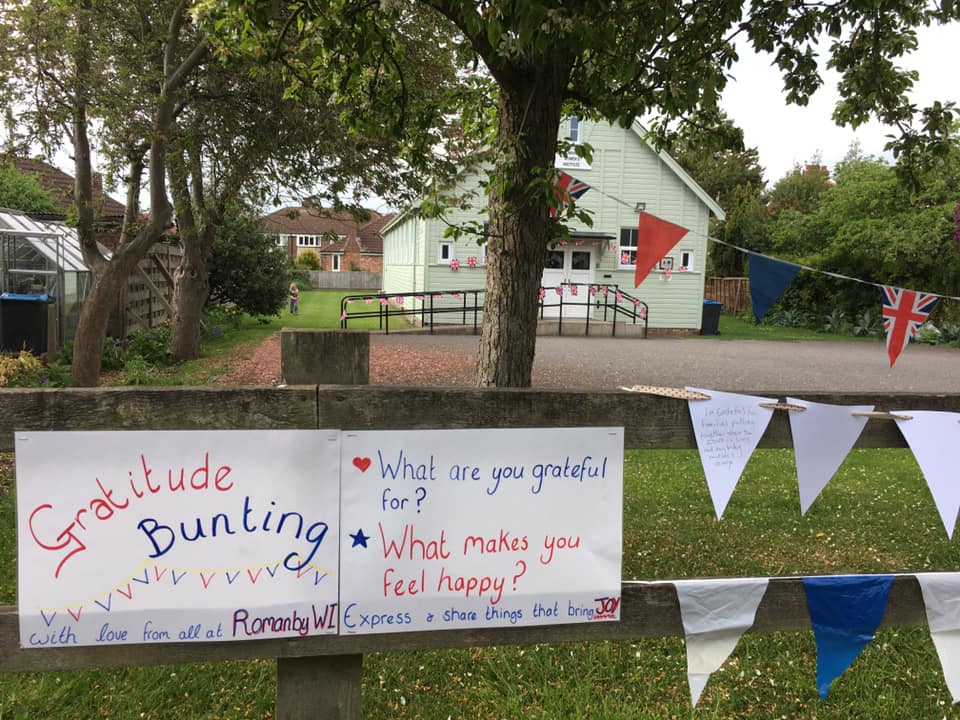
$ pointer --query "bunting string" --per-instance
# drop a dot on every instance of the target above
(828, 273)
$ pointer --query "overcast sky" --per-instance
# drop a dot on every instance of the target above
(786, 135)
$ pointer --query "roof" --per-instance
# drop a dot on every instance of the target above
(702, 195)
(317, 221)
(45, 238)
(60, 185)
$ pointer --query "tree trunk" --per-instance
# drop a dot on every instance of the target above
(92, 326)
(520, 224)
(191, 288)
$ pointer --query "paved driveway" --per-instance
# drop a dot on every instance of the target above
(735, 365)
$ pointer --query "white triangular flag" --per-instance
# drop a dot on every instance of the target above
(715, 614)
(929, 433)
(728, 427)
(941, 596)
(822, 438)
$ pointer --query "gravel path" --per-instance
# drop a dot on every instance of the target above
(607, 363)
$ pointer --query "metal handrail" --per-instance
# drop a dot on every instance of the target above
(615, 303)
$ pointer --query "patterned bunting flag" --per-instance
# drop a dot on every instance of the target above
(566, 190)
(904, 311)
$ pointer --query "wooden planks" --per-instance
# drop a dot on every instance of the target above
(649, 609)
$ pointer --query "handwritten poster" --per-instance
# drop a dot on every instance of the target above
(131, 537)
(452, 529)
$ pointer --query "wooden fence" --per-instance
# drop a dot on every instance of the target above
(733, 292)
(346, 280)
(319, 677)
(145, 301)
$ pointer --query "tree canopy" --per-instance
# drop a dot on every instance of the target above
(661, 61)
(20, 191)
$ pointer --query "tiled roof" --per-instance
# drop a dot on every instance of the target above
(314, 221)
(61, 187)
(371, 241)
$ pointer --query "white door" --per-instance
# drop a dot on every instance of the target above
(572, 269)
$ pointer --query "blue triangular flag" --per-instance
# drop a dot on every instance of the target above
(845, 612)
(768, 279)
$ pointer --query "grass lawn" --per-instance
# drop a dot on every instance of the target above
(738, 327)
(876, 516)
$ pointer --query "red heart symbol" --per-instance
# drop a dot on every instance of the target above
(362, 463)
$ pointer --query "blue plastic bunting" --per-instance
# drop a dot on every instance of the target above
(769, 277)
(845, 612)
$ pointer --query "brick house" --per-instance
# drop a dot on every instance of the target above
(341, 242)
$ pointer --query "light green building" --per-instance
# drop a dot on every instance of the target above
(626, 175)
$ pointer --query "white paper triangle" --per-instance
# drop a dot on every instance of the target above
(929, 434)
(941, 596)
(728, 427)
(822, 438)
(715, 614)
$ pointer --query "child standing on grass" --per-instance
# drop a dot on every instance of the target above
(294, 298)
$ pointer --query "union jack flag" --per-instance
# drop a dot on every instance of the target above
(566, 190)
(904, 311)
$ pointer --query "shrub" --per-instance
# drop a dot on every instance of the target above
(835, 321)
(153, 345)
(248, 269)
(26, 370)
(137, 371)
(868, 324)
(309, 260)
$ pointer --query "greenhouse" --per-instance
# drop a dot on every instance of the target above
(43, 283)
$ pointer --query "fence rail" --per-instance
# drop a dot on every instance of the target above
(320, 676)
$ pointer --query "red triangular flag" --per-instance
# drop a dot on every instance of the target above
(655, 238)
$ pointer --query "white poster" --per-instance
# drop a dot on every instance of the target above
(130, 537)
(447, 529)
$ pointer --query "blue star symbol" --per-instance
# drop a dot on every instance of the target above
(359, 538)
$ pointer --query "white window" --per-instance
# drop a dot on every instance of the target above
(628, 248)
(574, 129)
(445, 253)
(335, 263)
(308, 240)
(686, 260)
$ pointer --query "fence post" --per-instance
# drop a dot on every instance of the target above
(319, 688)
(324, 356)
(323, 687)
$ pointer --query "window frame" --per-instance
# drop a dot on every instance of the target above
(441, 246)
(628, 233)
